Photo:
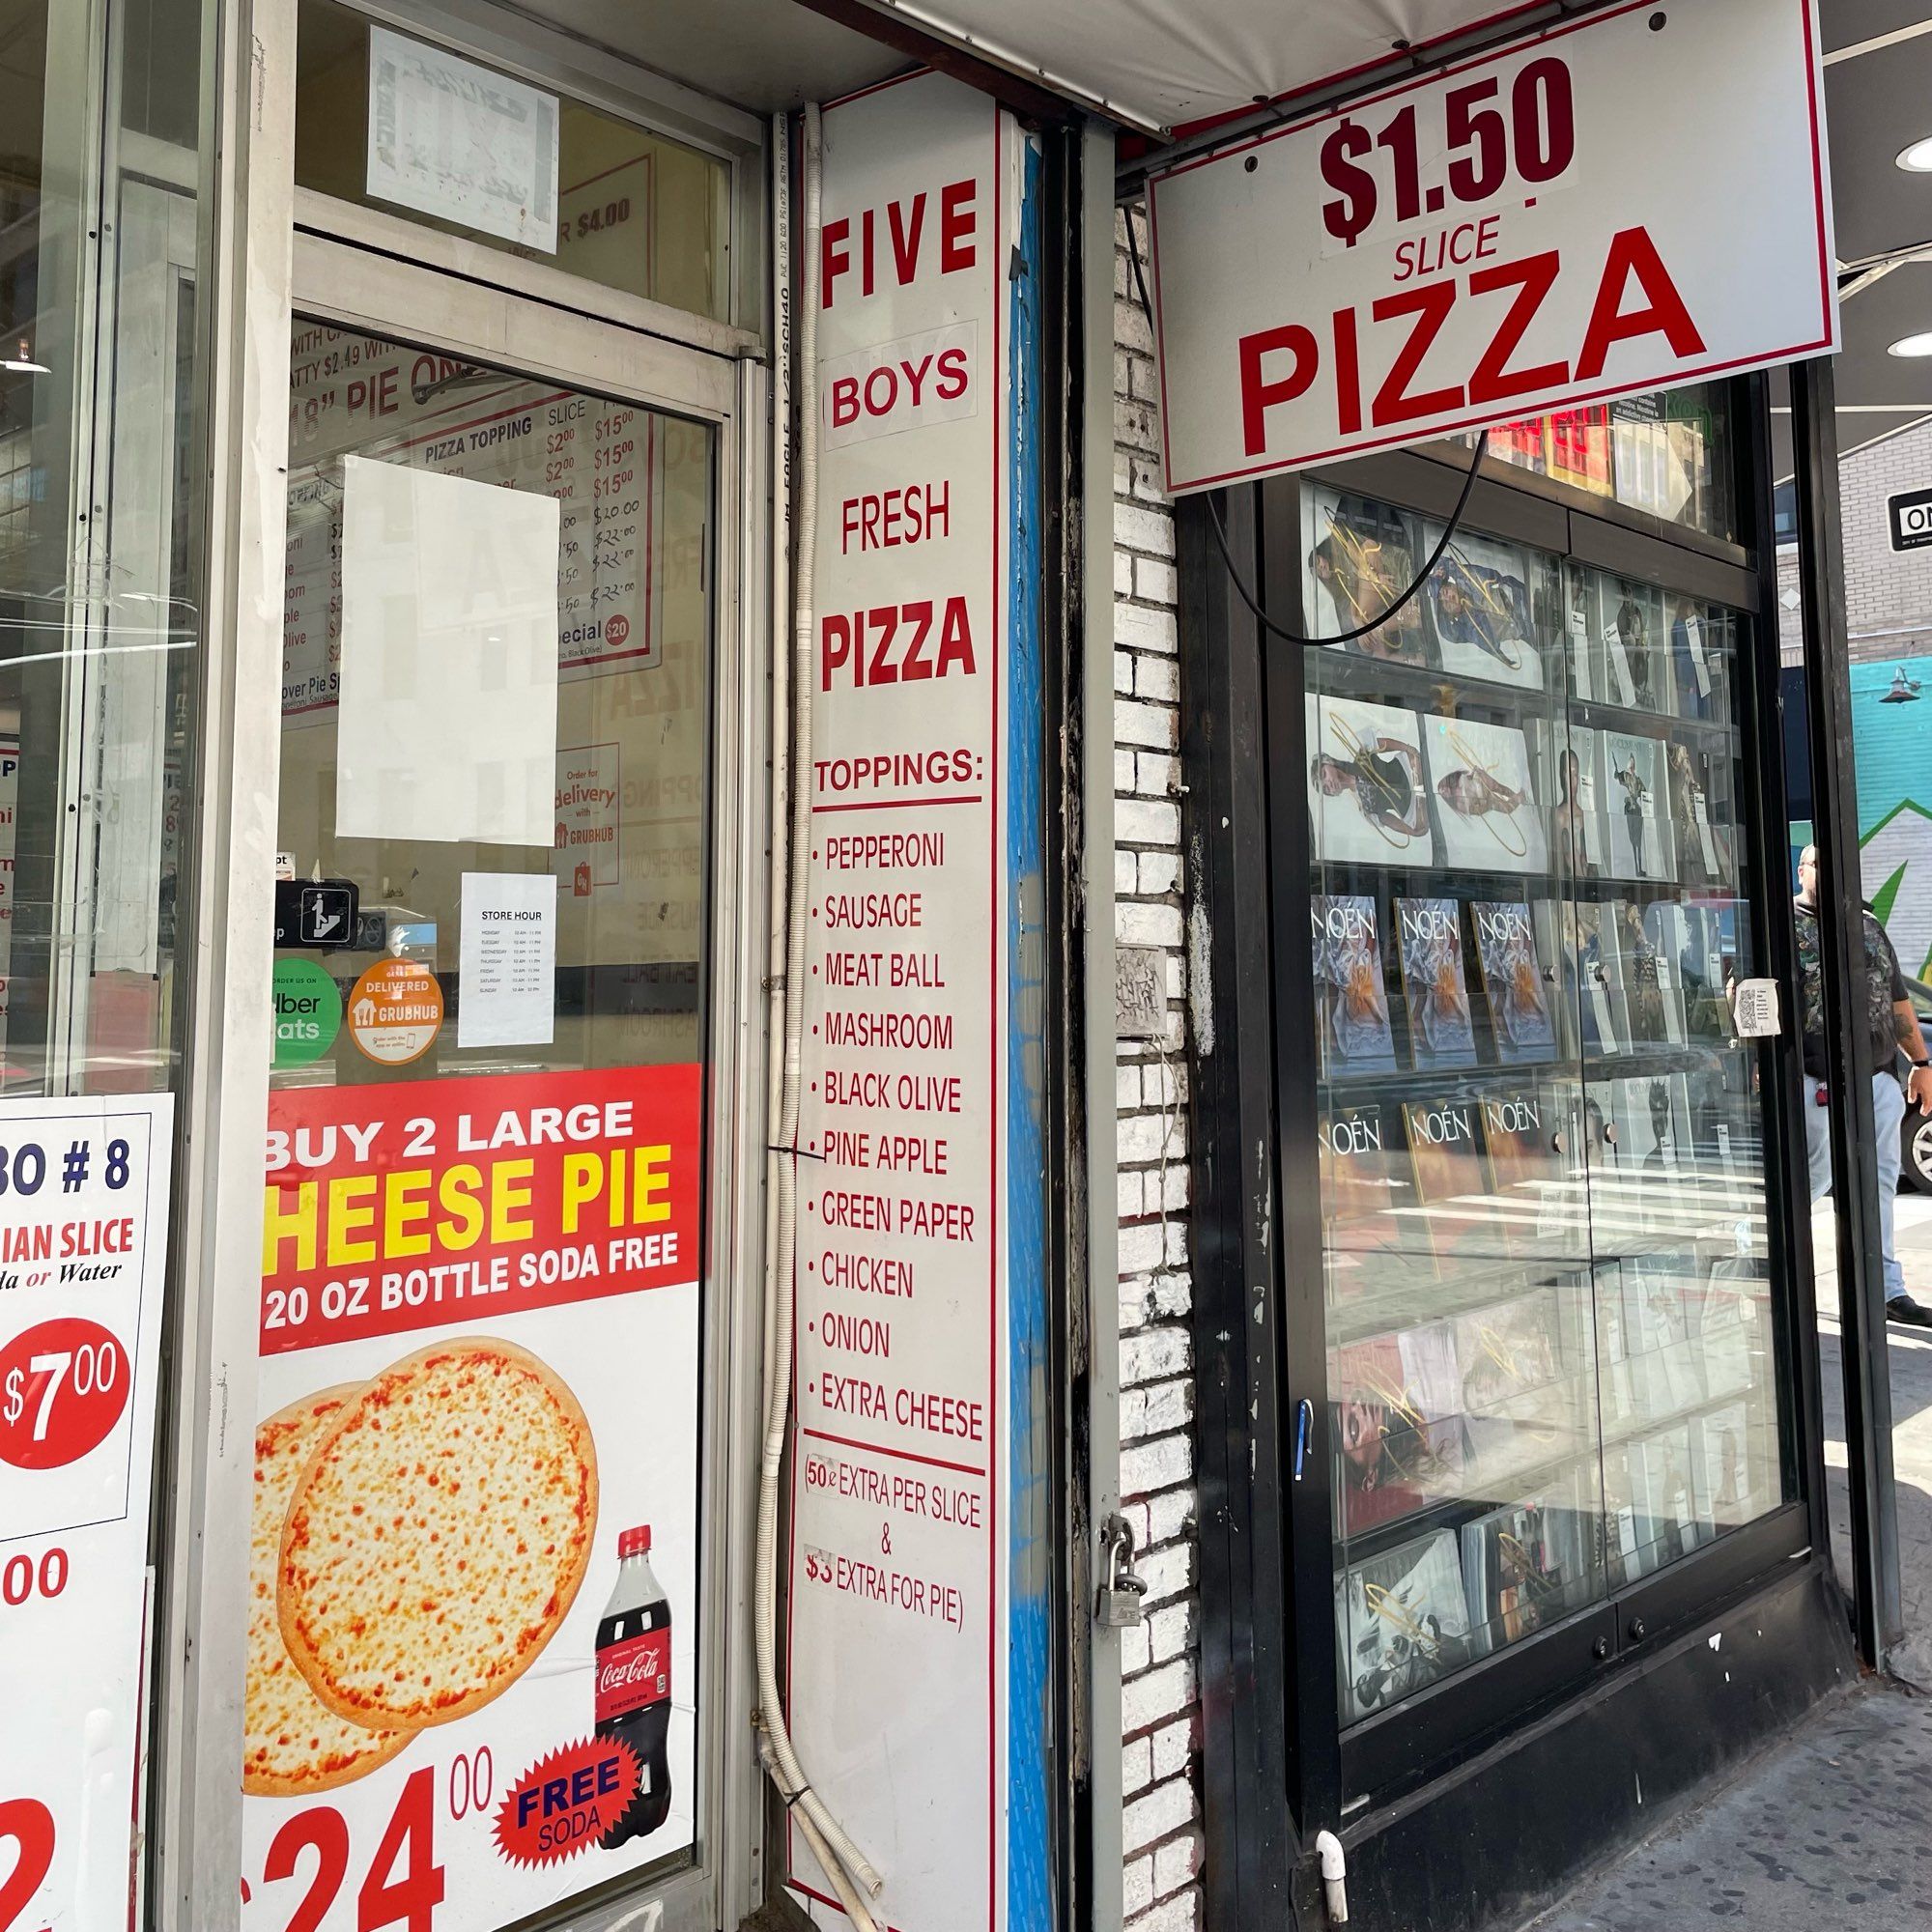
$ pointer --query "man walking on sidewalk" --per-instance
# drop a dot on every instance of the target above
(1895, 1031)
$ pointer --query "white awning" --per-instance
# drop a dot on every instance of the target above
(1168, 66)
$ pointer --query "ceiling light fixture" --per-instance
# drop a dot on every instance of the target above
(1917, 159)
(1912, 345)
(23, 364)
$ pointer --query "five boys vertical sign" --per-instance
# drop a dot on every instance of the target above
(899, 1585)
(1627, 202)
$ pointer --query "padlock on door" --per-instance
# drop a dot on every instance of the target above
(1121, 1591)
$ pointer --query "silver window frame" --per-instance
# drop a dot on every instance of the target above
(490, 307)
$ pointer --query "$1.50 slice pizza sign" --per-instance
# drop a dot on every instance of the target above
(1626, 203)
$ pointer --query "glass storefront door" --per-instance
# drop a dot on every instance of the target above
(480, 1631)
(1550, 1369)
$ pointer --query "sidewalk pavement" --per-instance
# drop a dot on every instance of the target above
(1827, 1827)
(1825, 1832)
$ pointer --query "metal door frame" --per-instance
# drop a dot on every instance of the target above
(281, 253)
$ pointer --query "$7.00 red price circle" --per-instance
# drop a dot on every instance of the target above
(64, 1384)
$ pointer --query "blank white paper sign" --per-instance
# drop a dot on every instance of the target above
(447, 726)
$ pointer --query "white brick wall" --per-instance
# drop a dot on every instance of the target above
(1888, 593)
(1160, 1699)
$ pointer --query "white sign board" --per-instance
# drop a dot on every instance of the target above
(1628, 202)
(449, 658)
(83, 1249)
(509, 960)
(460, 142)
(899, 1592)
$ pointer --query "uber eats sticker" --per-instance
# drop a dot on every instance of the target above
(308, 1012)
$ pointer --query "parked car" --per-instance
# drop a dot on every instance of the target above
(1915, 1168)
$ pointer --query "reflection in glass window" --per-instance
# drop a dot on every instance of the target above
(1550, 1369)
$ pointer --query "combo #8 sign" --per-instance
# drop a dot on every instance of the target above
(1630, 201)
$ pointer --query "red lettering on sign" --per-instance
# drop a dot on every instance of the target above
(1632, 251)
(1430, 303)
(905, 229)
(956, 221)
(1532, 277)
(905, 236)
(1258, 395)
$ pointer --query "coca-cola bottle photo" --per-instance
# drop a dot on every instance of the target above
(634, 1684)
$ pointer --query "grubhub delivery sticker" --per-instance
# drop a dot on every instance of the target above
(395, 1011)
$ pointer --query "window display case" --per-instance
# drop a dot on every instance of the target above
(1504, 1244)
(1549, 1371)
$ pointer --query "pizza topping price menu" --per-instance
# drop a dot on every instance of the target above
(896, 1580)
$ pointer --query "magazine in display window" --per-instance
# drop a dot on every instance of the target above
(1360, 558)
(1646, 1147)
(1653, 998)
(1520, 1400)
(1398, 1425)
(1527, 1564)
(1365, 1185)
(1434, 985)
(1485, 798)
(1666, 1495)
(1614, 1381)
(1698, 656)
(1480, 603)
(1450, 1178)
(1636, 820)
(1516, 982)
(1525, 1129)
(1633, 650)
(1659, 1294)
(1366, 796)
(1714, 1100)
(1404, 1623)
(1727, 1469)
(1350, 990)
(1701, 858)
(1590, 1012)
(1566, 775)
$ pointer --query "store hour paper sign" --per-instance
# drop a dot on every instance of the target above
(83, 1249)
(1624, 203)
(460, 142)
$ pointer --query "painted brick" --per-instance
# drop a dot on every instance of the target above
(1138, 924)
(1156, 773)
(1160, 1715)
(1151, 725)
(1158, 679)
(1163, 1809)
(1155, 583)
(1172, 1747)
(1144, 529)
(1156, 1465)
(1159, 873)
(1154, 1356)
(1142, 627)
(1178, 1863)
(1172, 1914)
(1138, 822)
